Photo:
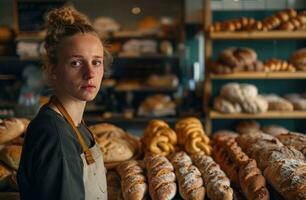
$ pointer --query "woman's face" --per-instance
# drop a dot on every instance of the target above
(80, 67)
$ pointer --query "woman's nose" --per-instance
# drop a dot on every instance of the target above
(89, 71)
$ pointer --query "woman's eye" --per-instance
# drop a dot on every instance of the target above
(97, 62)
(76, 63)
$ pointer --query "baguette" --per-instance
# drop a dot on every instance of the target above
(161, 177)
(216, 182)
(133, 181)
(189, 177)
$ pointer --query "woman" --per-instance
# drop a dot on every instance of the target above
(60, 159)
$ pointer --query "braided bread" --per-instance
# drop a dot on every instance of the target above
(216, 182)
(159, 138)
(189, 177)
(133, 181)
(161, 177)
(192, 136)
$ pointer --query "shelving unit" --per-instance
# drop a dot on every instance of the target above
(244, 36)
(259, 75)
(257, 35)
(266, 115)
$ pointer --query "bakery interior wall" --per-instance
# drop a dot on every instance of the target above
(120, 11)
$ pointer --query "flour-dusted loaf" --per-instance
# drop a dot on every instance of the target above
(189, 177)
(162, 179)
(216, 182)
(133, 180)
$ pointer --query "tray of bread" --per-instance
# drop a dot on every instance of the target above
(182, 162)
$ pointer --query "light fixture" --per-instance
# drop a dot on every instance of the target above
(136, 10)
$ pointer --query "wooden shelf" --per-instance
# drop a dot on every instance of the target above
(260, 75)
(146, 56)
(266, 115)
(262, 35)
(4, 77)
(146, 89)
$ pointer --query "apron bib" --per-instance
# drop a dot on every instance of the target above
(94, 173)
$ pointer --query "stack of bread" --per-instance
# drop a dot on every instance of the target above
(284, 167)
(287, 20)
(188, 176)
(11, 130)
(276, 65)
(133, 180)
(191, 136)
(156, 106)
(115, 144)
(236, 60)
(237, 98)
(159, 138)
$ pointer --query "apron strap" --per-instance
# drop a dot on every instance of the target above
(88, 155)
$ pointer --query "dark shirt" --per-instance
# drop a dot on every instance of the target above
(50, 165)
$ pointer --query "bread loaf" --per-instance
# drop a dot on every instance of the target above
(225, 106)
(288, 177)
(4, 175)
(278, 103)
(274, 129)
(296, 140)
(247, 126)
(11, 128)
(216, 182)
(133, 181)
(283, 166)
(161, 177)
(189, 177)
(250, 178)
(113, 186)
(10, 155)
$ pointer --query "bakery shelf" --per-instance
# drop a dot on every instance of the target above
(266, 115)
(146, 56)
(4, 77)
(260, 75)
(100, 119)
(146, 89)
(256, 35)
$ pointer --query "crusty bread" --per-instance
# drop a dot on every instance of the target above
(247, 126)
(4, 175)
(113, 186)
(10, 129)
(284, 167)
(296, 140)
(216, 182)
(133, 181)
(288, 177)
(161, 177)
(242, 170)
(189, 177)
(10, 155)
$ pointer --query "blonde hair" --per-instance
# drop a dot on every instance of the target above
(64, 22)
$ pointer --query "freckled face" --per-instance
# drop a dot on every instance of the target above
(80, 67)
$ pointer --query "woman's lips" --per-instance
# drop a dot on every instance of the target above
(89, 87)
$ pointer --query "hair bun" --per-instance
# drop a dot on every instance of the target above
(66, 15)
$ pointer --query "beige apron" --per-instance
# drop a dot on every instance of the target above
(93, 166)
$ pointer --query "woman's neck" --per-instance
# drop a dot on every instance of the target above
(73, 106)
